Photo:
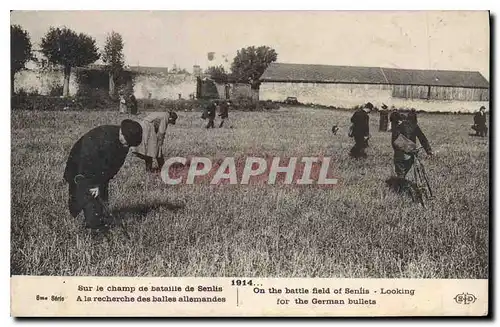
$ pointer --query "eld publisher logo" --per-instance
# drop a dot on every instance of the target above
(465, 298)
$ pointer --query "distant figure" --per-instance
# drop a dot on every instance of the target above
(384, 119)
(224, 112)
(405, 128)
(480, 122)
(361, 131)
(392, 117)
(154, 128)
(133, 104)
(123, 104)
(210, 114)
(92, 162)
(335, 129)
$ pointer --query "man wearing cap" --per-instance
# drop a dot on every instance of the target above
(361, 131)
(384, 118)
(392, 117)
(210, 113)
(406, 126)
(224, 112)
(480, 122)
(92, 162)
(133, 104)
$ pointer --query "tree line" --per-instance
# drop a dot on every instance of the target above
(69, 49)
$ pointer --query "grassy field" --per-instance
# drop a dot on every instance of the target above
(356, 229)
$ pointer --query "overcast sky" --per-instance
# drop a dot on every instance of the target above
(421, 40)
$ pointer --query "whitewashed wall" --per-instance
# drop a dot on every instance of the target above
(43, 81)
(164, 87)
(160, 87)
(351, 95)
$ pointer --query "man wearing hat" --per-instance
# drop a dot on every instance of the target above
(480, 122)
(361, 131)
(384, 118)
(224, 112)
(92, 162)
(392, 117)
(406, 129)
(210, 113)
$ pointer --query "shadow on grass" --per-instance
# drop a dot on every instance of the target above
(142, 209)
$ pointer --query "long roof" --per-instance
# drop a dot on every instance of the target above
(281, 72)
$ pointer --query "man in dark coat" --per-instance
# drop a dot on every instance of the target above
(224, 112)
(93, 161)
(361, 131)
(384, 119)
(406, 125)
(211, 112)
(392, 115)
(133, 104)
(480, 122)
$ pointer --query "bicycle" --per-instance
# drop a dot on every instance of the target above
(420, 188)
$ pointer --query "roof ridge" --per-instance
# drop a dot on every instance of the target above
(373, 75)
(375, 67)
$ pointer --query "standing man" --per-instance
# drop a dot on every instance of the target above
(384, 118)
(154, 129)
(224, 112)
(392, 116)
(361, 131)
(93, 161)
(133, 104)
(211, 112)
(405, 132)
(480, 122)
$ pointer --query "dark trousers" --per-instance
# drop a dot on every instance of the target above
(384, 121)
(93, 209)
(149, 163)
(481, 130)
(133, 109)
(210, 122)
(401, 165)
(358, 150)
(222, 122)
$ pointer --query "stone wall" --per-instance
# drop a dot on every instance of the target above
(43, 81)
(164, 86)
(167, 86)
(351, 95)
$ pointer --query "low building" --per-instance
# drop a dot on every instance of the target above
(348, 87)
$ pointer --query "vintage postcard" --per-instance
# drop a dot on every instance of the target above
(250, 163)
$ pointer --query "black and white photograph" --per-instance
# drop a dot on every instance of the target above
(311, 144)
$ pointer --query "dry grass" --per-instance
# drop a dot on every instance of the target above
(357, 229)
